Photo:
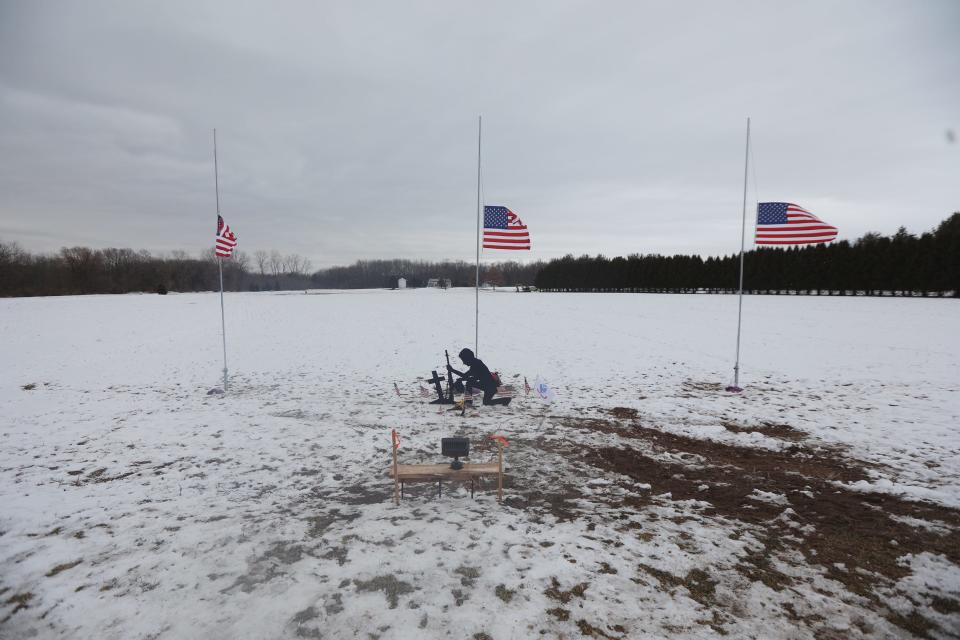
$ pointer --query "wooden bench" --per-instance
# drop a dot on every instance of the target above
(471, 472)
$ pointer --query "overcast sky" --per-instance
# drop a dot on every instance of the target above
(348, 130)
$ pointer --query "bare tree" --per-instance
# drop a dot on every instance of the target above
(12, 253)
(296, 264)
(262, 259)
(276, 263)
(241, 260)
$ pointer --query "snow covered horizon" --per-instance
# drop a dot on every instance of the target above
(645, 502)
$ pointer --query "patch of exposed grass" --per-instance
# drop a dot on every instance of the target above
(560, 614)
(503, 593)
(591, 631)
(63, 567)
(391, 587)
(554, 592)
(697, 582)
(468, 575)
(20, 600)
(52, 532)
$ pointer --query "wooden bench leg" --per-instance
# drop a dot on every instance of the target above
(500, 473)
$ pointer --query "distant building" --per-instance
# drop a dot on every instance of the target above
(401, 283)
(433, 282)
(439, 283)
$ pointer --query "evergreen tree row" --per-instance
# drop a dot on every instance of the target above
(902, 264)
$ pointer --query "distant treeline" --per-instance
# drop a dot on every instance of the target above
(904, 264)
(874, 264)
(81, 270)
(365, 274)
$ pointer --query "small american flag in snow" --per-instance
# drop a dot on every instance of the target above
(424, 392)
(226, 240)
(502, 229)
(780, 223)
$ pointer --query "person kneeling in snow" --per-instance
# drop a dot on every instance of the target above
(478, 376)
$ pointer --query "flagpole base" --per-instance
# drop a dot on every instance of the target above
(734, 389)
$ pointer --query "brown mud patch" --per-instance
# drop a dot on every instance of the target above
(623, 413)
(778, 431)
(820, 463)
(791, 498)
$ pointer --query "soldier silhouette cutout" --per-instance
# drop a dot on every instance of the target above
(477, 376)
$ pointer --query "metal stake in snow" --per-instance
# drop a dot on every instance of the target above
(735, 387)
(223, 323)
(476, 286)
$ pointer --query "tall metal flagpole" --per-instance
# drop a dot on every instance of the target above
(743, 232)
(476, 286)
(223, 322)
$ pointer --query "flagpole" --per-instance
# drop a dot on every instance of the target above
(743, 232)
(223, 322)
(476, 286)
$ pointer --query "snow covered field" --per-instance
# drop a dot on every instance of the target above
(644, 503)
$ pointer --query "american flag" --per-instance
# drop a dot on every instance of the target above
(502, 229)
(424, 392)
(786, 223)
(526, 386)
(505, 390)
(226, 239)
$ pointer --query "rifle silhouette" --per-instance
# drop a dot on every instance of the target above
(435, 380)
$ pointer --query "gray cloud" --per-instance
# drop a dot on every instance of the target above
(348, 130)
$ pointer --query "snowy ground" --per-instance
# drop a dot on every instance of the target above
(644, 503)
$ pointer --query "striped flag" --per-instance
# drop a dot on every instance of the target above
(226, 239)
(505, 390)
(424, 392)
(502, 229)
(780, 223)
(526, 386)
